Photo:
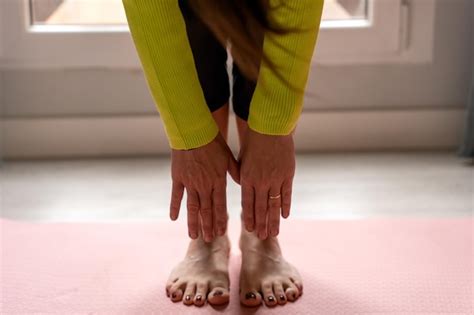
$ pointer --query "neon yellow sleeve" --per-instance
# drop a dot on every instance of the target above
(159, 33)
(275, 108)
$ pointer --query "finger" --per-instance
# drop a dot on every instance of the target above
(193, 213)
(248, 207)
(219, 204)
(234, 168)
(261, 202)
(274, 206)
(177, 191)
(206, 215)
(286, 191)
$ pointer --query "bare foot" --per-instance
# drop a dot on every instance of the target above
(265, 274)
(203, 274)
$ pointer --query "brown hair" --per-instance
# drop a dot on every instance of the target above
(243, 23)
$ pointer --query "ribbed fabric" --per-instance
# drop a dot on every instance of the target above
(275, 108)
(159, 34)
(160, 37)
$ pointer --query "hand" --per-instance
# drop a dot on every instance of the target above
(203, 172)
(267, 169)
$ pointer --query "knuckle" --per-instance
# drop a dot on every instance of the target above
(206, 213)
(220, 208)
(193, 208)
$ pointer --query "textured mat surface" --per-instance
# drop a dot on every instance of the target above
(349, 267)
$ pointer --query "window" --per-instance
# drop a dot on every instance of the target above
(110, 12)
(93, 33)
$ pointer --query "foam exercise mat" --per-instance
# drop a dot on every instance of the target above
(390, 266)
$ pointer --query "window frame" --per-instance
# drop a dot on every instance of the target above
(385, 37)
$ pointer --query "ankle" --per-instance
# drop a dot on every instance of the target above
(249, 241)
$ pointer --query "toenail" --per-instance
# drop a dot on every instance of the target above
(173, 295)
(271, 298)
(198, 298)
(282, 297)
(250, 295)
(218, 293)
(187, 298)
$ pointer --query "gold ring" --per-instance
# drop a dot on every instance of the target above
(275, 197)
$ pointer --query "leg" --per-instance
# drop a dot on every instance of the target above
(265, 274)
(203, 274)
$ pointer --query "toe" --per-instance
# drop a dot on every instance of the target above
(250, 298)
(291, 292)
(176, 291)
(201, 293)
(188, 295)
(299, 284)
(279, 293)
(218, 296)
(268, 295)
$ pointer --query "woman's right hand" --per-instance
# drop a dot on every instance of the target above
(203, 173)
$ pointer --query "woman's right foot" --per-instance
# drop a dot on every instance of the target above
(202, 275)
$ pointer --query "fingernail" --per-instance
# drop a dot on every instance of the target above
(218, 293)
(250, 295)
(271, 298)
(198, 298)
(274, 232)
(282, 297)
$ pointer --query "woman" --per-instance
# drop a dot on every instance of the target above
(181, 45)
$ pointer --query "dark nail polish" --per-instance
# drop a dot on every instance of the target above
(282, 297)
(271, 298)
(173, 295)
(198, 298)
(250, 295)
(218, 293)
(187, 298)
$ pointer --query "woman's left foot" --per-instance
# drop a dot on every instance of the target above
(265, 275)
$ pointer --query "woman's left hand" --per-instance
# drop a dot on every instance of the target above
(266, 176)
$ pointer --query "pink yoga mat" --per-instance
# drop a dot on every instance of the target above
(397, 266)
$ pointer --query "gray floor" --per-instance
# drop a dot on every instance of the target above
(329, 186)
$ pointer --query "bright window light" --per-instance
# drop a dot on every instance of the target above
(110, 12)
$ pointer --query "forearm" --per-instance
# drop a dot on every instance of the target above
(159, 34)
(276, 105)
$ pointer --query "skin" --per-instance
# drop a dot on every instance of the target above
(267, 169)
(265, 275)
(202, 172)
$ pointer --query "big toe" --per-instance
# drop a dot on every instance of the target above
(218, 296)
(250, 298)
